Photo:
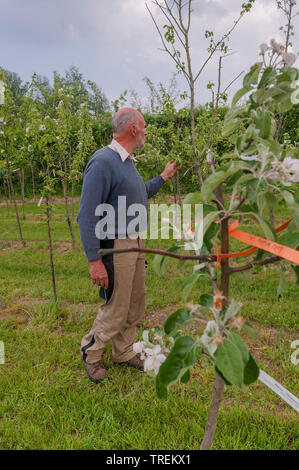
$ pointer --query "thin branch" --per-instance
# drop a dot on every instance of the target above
(207, 258)
(181, 18)
(189, 15)
(215, 112)
(170, 21)
(217, 45)
(178, 62)
(272, 259)
(171, 14)
(236, 78)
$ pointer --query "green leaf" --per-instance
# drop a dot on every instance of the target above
(292, 206)
(239, 143)
(290, 239)
(214, 180)
(233, 179)
(160, 263)
(208, 220)
(241, 345)
(230, 126)
(263, 123)
(269, 231)
(232, 309)
(240, 93)
(222, 376)
(229, 362)
(289, 74)
(193, 198)
(210, 234)
(251, 192)
(267, 76)
(252, 76)
(243, 181)
(189, 284)
(186, 377)
(260, 96)
(206, 208)
(206, 300)
(251, 371)
(288, 197)
(181, 357)
(285, 104)
(265, 199)
(233, 112)
(273, 146)
(178, 318)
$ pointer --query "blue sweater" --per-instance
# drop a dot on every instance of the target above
(106, 178)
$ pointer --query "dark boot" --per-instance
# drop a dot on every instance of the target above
(96, 371)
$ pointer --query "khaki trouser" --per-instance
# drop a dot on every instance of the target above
(118, 318)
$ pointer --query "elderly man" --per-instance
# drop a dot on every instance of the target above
(111, 176)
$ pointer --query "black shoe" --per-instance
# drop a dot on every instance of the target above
(96, 371)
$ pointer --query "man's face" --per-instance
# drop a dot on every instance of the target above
(141, 133)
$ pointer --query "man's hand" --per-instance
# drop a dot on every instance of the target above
(170, 169)
(98, 273)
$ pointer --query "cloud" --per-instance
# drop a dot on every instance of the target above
(115, 43)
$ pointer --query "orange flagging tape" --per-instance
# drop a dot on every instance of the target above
(258, 242)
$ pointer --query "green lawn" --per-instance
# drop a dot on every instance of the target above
(46, 399)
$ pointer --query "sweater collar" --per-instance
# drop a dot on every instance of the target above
(123, 153)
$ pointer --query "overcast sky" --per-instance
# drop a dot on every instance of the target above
(115, 44)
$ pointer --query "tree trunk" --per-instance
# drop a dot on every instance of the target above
(174, 190)
(213, 413)
(5, 195)
(225, 261)
(192, 103)
(51, 249)
(64, 185)
(219, 383)
(194, 146)
(33, 181)
(178, 189)
(175, 200)
(8, 187)
(15, 203)
(73, 190)
(22, 181)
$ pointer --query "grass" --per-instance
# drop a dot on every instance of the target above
(46, 399)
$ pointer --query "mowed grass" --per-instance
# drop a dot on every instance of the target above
(46, 399)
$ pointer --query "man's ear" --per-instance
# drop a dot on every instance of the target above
(133, 130)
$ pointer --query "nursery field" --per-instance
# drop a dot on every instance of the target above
(46, 399)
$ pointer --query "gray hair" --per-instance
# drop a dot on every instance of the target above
(121, 121)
